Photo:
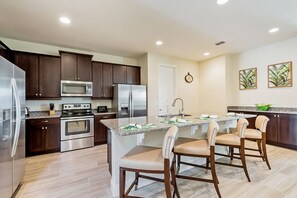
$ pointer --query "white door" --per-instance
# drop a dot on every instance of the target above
(166, 86)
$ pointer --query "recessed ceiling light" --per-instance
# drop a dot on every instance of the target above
(65, 20)
(221, 2)
(273, 30)
(206, 53)
(159, 43)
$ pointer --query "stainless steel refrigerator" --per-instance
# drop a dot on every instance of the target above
(12, 127)
(130, 100)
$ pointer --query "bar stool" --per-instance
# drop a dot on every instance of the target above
(259, 135)
(146, 159)
(235, 140)
(203, 148)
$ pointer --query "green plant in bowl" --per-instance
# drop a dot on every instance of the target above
(263, 107)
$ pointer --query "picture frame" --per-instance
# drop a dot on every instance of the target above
(280, 75)
(248, 78)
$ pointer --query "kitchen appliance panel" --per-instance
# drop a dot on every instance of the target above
(138, 101)
(6, 170)
(76, 88)
(77, 144)
(123, 100)
(19, 154)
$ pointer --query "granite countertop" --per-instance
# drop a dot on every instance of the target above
(154, 123)
(45, 114)
(286, 110)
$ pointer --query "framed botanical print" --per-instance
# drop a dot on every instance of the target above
(280, 75)
(248, 79)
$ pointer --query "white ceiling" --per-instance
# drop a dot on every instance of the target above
(130, 28)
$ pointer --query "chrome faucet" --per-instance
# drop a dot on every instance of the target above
(182, 110)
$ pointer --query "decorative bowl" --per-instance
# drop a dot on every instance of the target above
(263, 107)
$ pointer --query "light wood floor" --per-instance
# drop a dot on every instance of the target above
(84, 174)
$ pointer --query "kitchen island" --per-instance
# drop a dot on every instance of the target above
(126, 133)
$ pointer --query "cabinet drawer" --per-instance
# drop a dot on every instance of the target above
(107, 116)
(44, 121)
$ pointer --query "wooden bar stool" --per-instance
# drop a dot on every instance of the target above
(204, 148)
(259, 135)
(146, 159)
(235, 140)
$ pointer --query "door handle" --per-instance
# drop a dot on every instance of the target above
(18, 117)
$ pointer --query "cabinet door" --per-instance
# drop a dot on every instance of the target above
(52, 137)
(29, 63)
(84, 67)
(107, 80)
(34, 139)
(133, 75)
(119, 74)
(100, 130)
(68, 66)
(97, 80)
(287, 133)
(272, 128)
(49, 77)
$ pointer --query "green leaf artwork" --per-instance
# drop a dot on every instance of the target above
(248, 78)
(280, 75)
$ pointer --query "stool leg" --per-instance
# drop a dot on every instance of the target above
(260, 149)
(137, 179)
(122, 182)
(242, 157)
(167, 179)
(231, 153)
(207, 165)
(174, 179)
(178, 164)
(265, 151)
(214, 175)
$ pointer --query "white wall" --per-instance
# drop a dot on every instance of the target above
(43, 105)
(212, 84)
(187, 91)
(262, 57)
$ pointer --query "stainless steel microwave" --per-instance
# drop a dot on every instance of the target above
(76, 88)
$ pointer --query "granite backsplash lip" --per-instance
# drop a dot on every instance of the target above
(288, 110)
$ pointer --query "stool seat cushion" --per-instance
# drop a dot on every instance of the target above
(192, 147)
(143, 158)
(253, 133)
(228, 139)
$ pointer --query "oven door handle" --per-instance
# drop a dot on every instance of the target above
(77, 118)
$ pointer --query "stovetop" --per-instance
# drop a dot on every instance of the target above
(76, 110)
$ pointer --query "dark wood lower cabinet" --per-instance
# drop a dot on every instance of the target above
(281, 129)
(100, 129)
(42, 136)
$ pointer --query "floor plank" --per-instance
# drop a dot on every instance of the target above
(84, 174)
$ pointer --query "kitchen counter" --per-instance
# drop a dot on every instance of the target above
(155, 123)
(124, 134)
(286, 110)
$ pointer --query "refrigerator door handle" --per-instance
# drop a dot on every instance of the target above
(132, 104)
(18, 117)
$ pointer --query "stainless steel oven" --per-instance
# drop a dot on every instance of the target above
(77, 127)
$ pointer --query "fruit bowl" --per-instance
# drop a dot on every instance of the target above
(263, 107)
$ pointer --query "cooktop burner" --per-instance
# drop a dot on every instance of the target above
(76, 109)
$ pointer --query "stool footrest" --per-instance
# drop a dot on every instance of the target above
(195, 178)
(196, 165)
(233, 165)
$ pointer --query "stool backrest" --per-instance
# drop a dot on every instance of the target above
(241, 126)
(261, 123)
(168, 142)
(212, 131)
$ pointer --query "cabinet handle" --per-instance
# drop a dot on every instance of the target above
(77, 78)
(74, 78)
(45, 121)
(42, 128)
(105, 117)
(278, 116)
(45, 128)
(36, 94)
(39, 94)
(274, 115)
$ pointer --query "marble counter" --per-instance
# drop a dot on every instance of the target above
(286, 110)
(160, 123)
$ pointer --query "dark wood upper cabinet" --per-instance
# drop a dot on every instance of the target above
(75, 66)
(42, 75)
(126, 74)
(29, 63)
(102, 80)
(133, 75)
(49, 78)
(5, 51)
(119, 74)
